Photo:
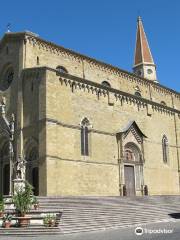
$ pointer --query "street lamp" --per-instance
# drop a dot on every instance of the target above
(8, 128)
(17, 164)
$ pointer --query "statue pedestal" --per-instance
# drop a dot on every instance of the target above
(18, 184)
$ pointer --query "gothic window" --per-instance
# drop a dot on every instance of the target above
(61, 69)
(85, 137)
(165, 149)
(106, 84)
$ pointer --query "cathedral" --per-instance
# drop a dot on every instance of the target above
(85, 127)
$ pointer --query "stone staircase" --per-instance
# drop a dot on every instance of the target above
(29, 231)
(81, 214)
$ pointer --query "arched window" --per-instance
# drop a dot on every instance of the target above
(165, 149)
(137, 94)
(84, 137)
(163, 103)
(61, 69)
(106, 84)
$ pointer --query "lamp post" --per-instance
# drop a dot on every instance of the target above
(7, 127)
(16, 164)
(11, 152)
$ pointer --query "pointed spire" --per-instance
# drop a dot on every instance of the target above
(143, 60)
(142, 52)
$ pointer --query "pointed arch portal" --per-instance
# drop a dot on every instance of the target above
(32, 167)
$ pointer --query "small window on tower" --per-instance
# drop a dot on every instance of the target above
(138, 73)
(149, 71)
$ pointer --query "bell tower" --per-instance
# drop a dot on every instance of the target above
(144, 65)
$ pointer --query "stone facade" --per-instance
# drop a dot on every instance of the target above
(123, 129)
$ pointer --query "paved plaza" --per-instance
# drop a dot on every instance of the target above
(158, 231)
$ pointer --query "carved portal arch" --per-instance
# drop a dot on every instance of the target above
(131, 159)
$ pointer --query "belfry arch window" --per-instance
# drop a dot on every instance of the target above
(165, 149)
(85, 137)
(106, 84)
(61, 69)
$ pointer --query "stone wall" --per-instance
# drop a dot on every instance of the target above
(66, 109)
(50, 107)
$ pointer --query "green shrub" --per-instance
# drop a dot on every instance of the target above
(23, 199)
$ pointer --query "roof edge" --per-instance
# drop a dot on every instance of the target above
(115, 68)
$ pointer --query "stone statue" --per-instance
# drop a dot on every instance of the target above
(3, 106)
(20, 168)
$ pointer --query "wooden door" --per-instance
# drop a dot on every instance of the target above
(129, 180)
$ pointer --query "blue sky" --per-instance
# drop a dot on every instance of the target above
(104, 29)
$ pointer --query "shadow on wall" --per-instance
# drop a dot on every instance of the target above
(175, 215)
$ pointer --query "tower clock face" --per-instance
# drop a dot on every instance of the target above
(149, 71)
(6, 79)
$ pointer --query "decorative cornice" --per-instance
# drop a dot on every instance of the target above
(99, 89)
(76, 82)
(79, 160)
(59, 50)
